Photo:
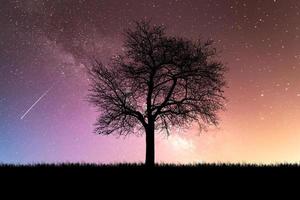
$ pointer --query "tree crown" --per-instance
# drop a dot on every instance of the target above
(160, 80)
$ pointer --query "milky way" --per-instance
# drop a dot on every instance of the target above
(44, 42)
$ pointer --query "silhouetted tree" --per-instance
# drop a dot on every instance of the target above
(160, 82)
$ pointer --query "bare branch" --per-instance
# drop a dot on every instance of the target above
(167, 81)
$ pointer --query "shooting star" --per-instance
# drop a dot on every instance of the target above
(37, 101)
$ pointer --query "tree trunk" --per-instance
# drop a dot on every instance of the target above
(150, 146)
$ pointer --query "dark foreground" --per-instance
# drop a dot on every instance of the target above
(186, 179)
(136, 179)
(140, 171)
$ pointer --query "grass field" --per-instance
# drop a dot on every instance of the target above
(139, 170)
(137, 177)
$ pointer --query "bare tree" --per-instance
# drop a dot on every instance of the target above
(160, 82)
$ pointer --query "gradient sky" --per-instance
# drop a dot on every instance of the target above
(45, 45)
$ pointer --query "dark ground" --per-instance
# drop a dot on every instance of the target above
(129, 179)
(139, 171)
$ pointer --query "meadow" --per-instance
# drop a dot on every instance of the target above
(139, 170)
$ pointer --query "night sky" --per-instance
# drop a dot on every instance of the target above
(46, 44)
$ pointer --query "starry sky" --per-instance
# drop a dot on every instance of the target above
(46, 44)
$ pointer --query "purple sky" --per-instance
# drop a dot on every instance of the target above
(48, 43)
